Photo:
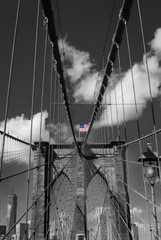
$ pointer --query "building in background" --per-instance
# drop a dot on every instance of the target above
(159, 229)
(2, 231)
(135, 231)
(11, 214)
(24, 229)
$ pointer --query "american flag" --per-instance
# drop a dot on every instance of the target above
(83, 128)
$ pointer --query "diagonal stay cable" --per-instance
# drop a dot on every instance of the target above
(9, 85)
(48, 12)
(116, 42)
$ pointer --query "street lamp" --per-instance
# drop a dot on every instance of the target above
(152, 176)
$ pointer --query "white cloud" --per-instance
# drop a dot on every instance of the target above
(136, 211)
(78, 62)
(80, 72)
(85, 81)
(156, 42)
(61, 133)
(141, 87)
(85, 89)
(20, 126)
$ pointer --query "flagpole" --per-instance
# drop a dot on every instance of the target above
(79, 133)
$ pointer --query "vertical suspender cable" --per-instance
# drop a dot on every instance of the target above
(61, 117)
(103, 115)
(42, 86)
(100, 129)
(150, 91)
(50, 106)
(137, 118)
(58, 116)
(122, 96)
(9, 85)
(134, 91)
(101, 126)
(41, 109)
(50, 149)
(149, 83)
(117, 116)
(107, 118)
(31, 114)
(123, 17)
(55, 106)
(105, 138)
(125, 133)
(104, 48)
(60, 120)
(48, 12)
(112, 125)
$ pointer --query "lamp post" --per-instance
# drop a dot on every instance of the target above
(152, 176)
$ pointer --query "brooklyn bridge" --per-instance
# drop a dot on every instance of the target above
(82, 162)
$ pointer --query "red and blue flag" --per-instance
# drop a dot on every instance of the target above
(83, 128)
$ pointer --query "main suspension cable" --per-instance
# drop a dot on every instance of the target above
(48, 12)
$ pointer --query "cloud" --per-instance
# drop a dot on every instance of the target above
(156, 42)
(61, 133)
(80, 72)
(85, 89)
(86, 81)
(20, 126)
(78, 62)
(140, 77)
(136, 211)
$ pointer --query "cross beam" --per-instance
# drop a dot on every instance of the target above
(94, 145)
